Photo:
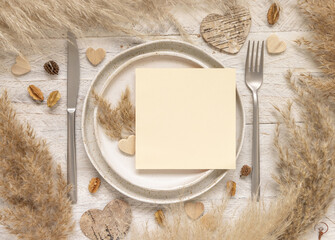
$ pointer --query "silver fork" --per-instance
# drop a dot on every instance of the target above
(254, 80)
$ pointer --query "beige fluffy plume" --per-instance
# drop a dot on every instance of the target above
(23, 22)
(32, 187)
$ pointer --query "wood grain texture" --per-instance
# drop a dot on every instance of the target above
(227, 32)
(51, 123)
(113, 222)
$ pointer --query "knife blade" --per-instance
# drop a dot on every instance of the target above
(73, 81)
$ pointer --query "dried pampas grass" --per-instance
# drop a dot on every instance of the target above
(307, 159)
(322, 45)
(256, 222)
(22, 23)
(33, 189)
(118, 121)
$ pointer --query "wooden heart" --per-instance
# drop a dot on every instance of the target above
(274, 45)
(227, 32)
(95, 56)
(194, 209)
(112, 222)
(21, 66)
(128, 145)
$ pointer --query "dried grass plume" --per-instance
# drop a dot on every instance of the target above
(24, 22)
(118, 121)
(32, 187)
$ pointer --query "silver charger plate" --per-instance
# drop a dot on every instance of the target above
(106, 162)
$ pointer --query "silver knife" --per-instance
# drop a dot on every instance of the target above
(73, 79)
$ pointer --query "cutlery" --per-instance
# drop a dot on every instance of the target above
(73, 79)
(254, 80)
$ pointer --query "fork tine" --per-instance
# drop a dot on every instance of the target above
(262, 59)
(256, 63)
(252, 57)
(247, 66)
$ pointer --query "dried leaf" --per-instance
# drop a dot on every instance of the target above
(273, 13)
(231, 188)
(53, 98)
(94, 185)
(35, 93)
(160, 218)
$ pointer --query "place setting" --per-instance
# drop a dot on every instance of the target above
(145, 168)
(166, 135)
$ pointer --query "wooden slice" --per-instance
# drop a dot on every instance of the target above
(227, 32)
(112, 222)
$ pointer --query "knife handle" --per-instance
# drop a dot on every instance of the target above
(71, 154)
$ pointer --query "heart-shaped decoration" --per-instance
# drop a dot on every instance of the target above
(227, 32)
(95, 56)
(112, 222)
(194, 209)
(128, 145)
(274, 45)
(21, 66)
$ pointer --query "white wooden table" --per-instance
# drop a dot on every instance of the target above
(51, 124)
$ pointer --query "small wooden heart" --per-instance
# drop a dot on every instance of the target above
(128, 145)
(274, 45)
(227, 32)
(21, 66)
(95, 56)
(113, 222)
(194, 209)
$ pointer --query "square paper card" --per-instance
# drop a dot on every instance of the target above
(185, 118)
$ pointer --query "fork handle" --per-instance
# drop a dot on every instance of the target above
(255, 175)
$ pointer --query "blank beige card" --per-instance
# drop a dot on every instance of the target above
(185, 118)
